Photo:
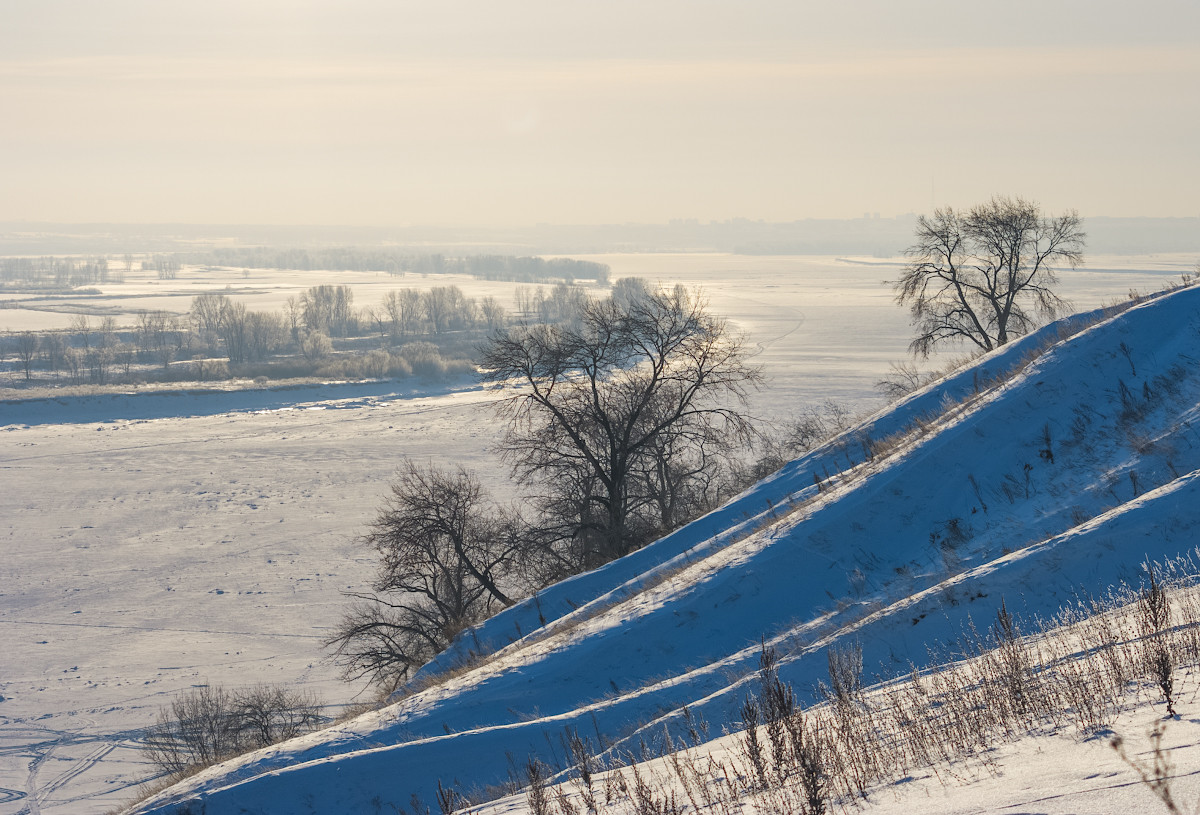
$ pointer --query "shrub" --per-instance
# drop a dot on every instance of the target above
(210, 724)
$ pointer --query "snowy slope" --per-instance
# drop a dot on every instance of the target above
(1063, 478)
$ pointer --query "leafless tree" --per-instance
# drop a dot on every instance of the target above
(54, 350)
(82, 328)
(629, 290)
(377, 316)
(235, 331)
(329, 310)
(404, 308)
(439, 305)
(445, 554)
(195, 731)
(167, 266)
(266, 333)
(124, 354)
(158, 336)
(207, 311)
(294, 314)
(523, 303)
(106, 334)
(492, 313)
(986, 275)
(901, 379)
(27, 347)
(599, 400)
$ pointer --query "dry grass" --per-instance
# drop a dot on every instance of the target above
(1075, 672)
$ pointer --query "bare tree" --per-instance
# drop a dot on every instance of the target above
(627, 290)
(492, 313)
(268, 714)
(54, 350)
(445, 553)
(378, 316)
(106, 334)
(266, 333)
(329, 310)
(901, 379)
(207, 311)
(235, 331)
(439, 305)
(195, 731)
(601, 399)
(83, 329)
(27, 347)
(986, 275)
(293, 311)
(158, 336)
(404, 308)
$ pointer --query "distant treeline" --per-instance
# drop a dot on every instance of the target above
(490, 267)
(59, 272)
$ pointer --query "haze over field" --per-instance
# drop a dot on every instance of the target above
(380, 113)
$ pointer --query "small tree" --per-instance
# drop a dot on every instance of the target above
(195, 731)
(987, 275)
(315, 346)
(27, 348)
(445, 553)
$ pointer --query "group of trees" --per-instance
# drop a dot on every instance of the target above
(627, 421)
(93, 349)
(73, 272)
(58, 272)
(625, 424)
(306, 328)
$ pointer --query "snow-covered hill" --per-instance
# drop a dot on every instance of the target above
(1054, 466)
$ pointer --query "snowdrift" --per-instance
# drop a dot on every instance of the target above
(1050, 469)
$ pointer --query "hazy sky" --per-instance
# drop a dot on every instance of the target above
(513, 112)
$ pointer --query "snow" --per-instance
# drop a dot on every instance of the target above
(1047, 774)
(156, 542)
(681, 621)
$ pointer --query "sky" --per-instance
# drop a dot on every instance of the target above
(516, 112)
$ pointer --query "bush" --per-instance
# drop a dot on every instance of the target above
(424, 359)
(210, 724)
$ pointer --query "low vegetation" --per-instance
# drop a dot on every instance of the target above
(1075, 672)
(428, 333)
(209, 724)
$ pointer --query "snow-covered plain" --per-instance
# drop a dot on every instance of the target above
(155, 543)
